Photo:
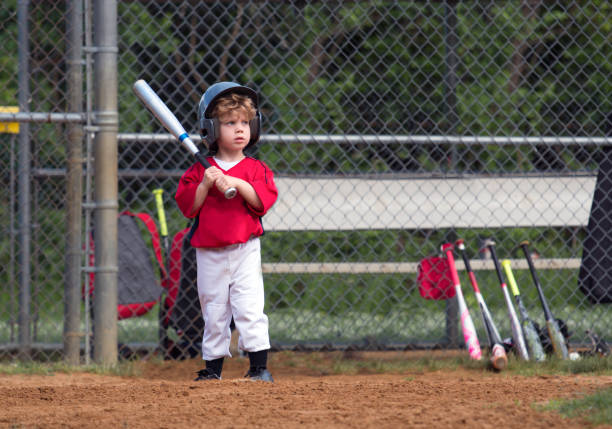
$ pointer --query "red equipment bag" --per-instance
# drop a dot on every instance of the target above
(434, 279)
(138, 287)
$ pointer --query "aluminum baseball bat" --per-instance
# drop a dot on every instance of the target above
(159, 109)
(556, 337)
(467, 325)
(517, 331)
(532, 338)
(499, 360)
(163, 226)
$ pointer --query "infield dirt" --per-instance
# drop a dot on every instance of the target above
(306, 393)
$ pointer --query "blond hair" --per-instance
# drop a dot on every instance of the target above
(234, 103)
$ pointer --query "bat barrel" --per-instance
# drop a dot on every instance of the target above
(159, 109)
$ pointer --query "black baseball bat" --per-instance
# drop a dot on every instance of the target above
(554, 333)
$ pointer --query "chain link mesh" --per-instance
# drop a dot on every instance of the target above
(392, 127)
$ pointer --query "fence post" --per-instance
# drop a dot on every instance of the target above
(74, 184)
(24, 159)
(105, 188)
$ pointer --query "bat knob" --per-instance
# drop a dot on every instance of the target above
(499, 360)
(447, 246)
(488, 242)
(230, 193)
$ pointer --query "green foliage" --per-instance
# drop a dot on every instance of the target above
(363, 68)
(355, 68)
(8, 62)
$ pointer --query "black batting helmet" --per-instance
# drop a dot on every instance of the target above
(209, 126)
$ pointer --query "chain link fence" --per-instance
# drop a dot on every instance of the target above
(392, 127)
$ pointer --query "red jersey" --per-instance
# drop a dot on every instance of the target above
(221, 221)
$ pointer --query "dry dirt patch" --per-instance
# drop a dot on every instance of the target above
(306, 394)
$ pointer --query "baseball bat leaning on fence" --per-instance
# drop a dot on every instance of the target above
(499, 360)
(467, 325)
(532, 338)
(159, 109)
(161, 215)
(517, 332)
(556, 337)
(163, 226)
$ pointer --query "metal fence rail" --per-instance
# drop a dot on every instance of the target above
(391, 127)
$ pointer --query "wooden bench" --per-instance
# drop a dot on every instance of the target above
(344, 204)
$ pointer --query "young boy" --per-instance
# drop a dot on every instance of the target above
(229, 278)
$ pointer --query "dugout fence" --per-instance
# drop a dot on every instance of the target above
(391, 127)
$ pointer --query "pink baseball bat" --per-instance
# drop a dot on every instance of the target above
(467, 325)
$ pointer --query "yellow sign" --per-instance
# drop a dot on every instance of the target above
(9, 127)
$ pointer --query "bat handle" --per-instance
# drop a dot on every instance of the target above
(525, 246)
(510, 276)
(447, 248)
(159, 202)
(163, 226)
(491, 247)
(231, 192)
(461, 246)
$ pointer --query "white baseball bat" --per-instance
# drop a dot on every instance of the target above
(517, 330)
(159, 109)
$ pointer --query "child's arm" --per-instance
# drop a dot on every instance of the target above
(244, 188)
(211, 177)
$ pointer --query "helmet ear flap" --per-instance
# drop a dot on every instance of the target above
(210, 130)
(255, 126)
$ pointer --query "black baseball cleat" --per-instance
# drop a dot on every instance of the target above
(259, 374)
(206, 374)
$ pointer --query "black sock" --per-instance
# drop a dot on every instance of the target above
(258, 360)
(215, 365)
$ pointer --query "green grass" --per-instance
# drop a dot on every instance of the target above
(592, 365)
(409, 322)
(595, 408)
(332, 308)
(123, 368)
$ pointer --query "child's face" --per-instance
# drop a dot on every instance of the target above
(234, 132)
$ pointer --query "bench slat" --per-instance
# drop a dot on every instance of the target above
(325, 204)
(405, 267)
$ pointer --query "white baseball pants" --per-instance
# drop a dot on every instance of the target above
(230, 282)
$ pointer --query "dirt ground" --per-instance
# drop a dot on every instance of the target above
(306, 393)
